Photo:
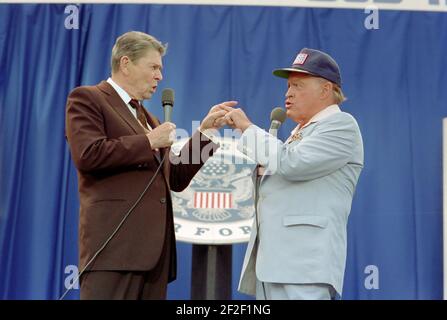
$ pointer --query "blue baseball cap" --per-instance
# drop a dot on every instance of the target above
(313, 62)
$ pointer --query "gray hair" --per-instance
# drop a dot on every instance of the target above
(339, 97)
(337, 93)
(134, 44)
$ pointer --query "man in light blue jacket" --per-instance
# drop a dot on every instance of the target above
(298, 245)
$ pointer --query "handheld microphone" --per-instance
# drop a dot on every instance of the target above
(167, 101)
(277, 117)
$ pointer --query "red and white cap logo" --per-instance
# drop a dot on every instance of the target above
(300, 58)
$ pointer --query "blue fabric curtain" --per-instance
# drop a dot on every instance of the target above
(394, 77)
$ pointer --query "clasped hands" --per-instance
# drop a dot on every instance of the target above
(219, 115)
(225, 114)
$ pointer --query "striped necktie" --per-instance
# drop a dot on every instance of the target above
(140, 113)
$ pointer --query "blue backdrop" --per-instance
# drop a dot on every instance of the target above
(394, 77)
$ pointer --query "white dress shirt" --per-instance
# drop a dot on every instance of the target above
(125, 97)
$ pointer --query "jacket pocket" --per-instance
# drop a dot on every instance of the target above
(317, 221)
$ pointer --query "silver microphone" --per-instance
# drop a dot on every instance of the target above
(277, 117)
(167, 101)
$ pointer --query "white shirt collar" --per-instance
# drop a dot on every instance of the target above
(326, 112)
(121, 92)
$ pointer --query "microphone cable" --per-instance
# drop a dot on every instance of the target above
(116, 229)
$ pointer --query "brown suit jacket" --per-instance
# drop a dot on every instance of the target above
(115, 162)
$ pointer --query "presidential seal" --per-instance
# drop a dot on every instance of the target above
(218, 206)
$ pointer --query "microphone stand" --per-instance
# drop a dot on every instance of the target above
(211, 272)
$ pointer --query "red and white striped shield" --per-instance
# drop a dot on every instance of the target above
(213, 200)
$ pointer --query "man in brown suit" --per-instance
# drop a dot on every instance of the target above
(117, 146)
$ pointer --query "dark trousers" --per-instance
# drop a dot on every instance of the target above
(129, 285)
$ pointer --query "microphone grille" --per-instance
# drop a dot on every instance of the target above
(167, 97)
(278, 114)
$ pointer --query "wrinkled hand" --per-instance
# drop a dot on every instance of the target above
(237, 119)
(215, 117)
(163, 136)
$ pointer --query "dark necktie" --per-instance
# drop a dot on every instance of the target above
(143, 120)
(140, 112)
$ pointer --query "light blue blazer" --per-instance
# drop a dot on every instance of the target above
(304, 202)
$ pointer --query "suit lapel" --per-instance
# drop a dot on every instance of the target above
(164, 152)
(120, 107)
(123, 111)
(154, 123)
(304, 133)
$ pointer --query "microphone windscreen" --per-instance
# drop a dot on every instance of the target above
(278, 114)
(167, 97)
